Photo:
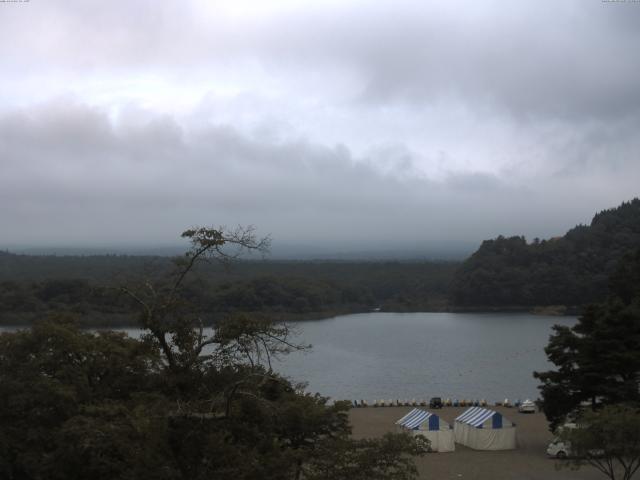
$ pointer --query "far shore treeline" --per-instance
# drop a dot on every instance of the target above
(558, 275)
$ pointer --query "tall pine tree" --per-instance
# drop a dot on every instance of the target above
(598, 359)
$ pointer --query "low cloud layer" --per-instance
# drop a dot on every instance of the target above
(344, 125)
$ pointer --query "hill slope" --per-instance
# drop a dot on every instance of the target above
(569, 270)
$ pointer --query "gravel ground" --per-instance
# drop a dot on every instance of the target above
(527, 462)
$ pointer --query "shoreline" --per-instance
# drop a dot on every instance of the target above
(116, 320)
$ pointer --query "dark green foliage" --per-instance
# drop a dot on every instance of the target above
(598, 359)
(387, 457)
(607, 439)
(290, 289)
(176, 404)
(58, 383)
(570, 270)
(76, 405)
(625, 281)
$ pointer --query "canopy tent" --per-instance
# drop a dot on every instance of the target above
(483, 429)
(430, 426)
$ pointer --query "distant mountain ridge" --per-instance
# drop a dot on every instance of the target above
(571, 270)
(447, 251)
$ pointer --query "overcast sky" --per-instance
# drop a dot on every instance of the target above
(341, 124)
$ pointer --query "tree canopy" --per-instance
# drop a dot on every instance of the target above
(571, 270)
(181, 402)
(34, 286)
(607, 439)
(598, 359)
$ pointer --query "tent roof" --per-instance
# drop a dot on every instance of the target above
(476, 416)
(415, 418)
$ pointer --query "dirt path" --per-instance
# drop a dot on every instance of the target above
(527, 462)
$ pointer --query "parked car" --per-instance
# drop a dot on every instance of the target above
(559, 448)
(435, 402)
(527, 407)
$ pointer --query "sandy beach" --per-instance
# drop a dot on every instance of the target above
(527, 462)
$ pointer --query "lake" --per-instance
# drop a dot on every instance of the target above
(418, 355)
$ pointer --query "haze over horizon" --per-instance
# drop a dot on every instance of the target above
(342, 126)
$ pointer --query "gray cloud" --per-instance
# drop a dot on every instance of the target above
(569, 59)
(152, 180)
(336, 122)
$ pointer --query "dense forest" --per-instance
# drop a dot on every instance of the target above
(90, 287)
(571, 270)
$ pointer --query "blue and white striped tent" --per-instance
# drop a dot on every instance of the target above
(431, 426)
(417, 419)
(476, 416)
(484, 429)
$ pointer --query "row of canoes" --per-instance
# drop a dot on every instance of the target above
(446, 402)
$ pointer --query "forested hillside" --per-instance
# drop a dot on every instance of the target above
(34, 286)
(571, 270)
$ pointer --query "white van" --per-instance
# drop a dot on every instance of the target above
(527, 407)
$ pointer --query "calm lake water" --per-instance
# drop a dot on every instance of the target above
(419, 355)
